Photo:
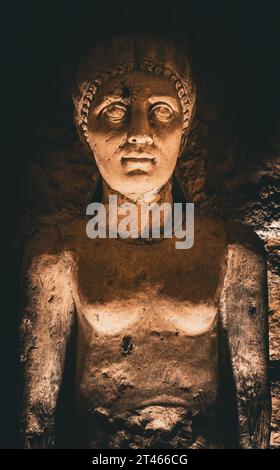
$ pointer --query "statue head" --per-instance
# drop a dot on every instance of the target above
(134, 100)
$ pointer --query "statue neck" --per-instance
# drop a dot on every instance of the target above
(156, 196)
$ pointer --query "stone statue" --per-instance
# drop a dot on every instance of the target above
(171, 346)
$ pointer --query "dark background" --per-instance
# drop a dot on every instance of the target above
(237, 42)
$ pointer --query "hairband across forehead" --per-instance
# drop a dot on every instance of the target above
(86, 88)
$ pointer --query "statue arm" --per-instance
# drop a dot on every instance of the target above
(45, 327)
(245, 326)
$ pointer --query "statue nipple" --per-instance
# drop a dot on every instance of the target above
(127, 345)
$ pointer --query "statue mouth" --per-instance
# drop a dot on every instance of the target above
(134, 159)
(138, 161)
(138, 156)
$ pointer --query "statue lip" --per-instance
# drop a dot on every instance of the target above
(137, 157)
(138, 161)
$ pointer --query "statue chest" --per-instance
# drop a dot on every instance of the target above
(120, 287)
(147, 334)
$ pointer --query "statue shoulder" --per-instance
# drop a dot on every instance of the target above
(239, 234)
(209, 226)
(46, 249)
(246, 274)
(234, 233)
(209, 232)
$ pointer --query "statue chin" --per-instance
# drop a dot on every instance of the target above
(136, 182)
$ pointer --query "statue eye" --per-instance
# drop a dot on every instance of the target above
(162, 112)
(115, 112)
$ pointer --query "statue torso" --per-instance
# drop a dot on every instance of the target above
(147, 349)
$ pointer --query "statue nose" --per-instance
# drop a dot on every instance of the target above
(140, 139)
(139, 131)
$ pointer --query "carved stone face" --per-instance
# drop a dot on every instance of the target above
(135, 128)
